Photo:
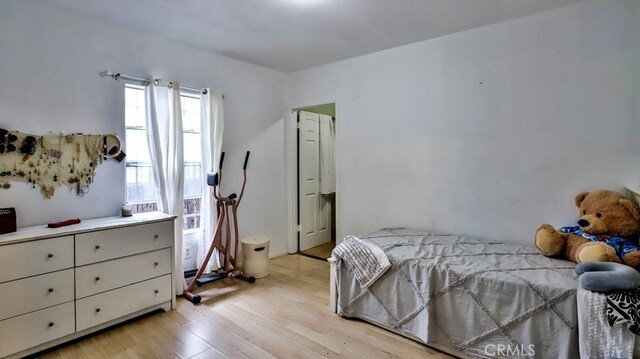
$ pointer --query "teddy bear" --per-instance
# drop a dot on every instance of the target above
(607, 231)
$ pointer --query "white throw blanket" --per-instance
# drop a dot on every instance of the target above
(599, 340)
(368, 261)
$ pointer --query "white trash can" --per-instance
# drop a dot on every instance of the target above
(255, 256)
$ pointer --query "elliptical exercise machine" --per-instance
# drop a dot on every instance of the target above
(222, 206)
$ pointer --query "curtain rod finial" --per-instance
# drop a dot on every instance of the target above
(104, 73)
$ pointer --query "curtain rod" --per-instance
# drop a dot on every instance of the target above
(147, 81)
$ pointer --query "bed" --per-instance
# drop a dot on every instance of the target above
(470, 297)
(598, 339)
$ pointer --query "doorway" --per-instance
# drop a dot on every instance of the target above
(316, 210)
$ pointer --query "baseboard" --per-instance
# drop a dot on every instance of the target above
(192, 272)
(277, 254)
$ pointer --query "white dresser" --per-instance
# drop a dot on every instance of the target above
(58, 284)
(634, 193)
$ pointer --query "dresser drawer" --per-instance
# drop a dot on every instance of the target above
(35, 257)
(30, 330)
(101, 277)
(114, 243)
(34, 293)
(107, 306)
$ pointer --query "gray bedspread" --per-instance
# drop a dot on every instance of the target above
(472, 296)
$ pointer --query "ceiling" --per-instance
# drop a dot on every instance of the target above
(291, 35)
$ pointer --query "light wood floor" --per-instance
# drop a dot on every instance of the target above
(284, 315)
(321, 251)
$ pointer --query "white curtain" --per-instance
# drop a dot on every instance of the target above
(211, 129)
(164, 130)
(327, 167)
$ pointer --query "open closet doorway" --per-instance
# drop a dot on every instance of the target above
(316, 180)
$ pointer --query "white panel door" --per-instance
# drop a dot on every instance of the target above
(315, 210)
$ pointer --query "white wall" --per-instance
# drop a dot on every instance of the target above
(421, 141)
(49, 64)
(488, 132)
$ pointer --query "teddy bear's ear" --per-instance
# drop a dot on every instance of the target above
(631, 207)
(580, 197)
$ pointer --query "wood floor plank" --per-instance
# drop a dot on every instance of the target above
(225, 341)
(321, 251)
(149, 349)
(284, 315)
(210, 353)
(280, 341)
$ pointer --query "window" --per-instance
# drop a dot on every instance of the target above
(141, 194)
(192, 161)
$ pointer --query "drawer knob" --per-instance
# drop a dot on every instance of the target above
(156, 291)
(50, 255)
(155, 236)
(155, 264)
(97, 279)
(50, 290)
(97, 247)
(97, 310)
(51, 324)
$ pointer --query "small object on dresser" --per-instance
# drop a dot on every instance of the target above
(7, 220)
(127, 210)
(64, 223)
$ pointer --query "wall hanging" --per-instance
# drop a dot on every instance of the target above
(52, 160)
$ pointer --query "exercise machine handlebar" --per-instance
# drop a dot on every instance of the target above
(244, 166)
(214, 179)
(246, 159)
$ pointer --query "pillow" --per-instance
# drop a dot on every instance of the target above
(607, 276)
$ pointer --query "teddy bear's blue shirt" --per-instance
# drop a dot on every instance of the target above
(621, 245)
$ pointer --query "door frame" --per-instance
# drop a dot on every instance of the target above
(291, 175)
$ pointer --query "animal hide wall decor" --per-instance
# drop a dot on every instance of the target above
(52, 160)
